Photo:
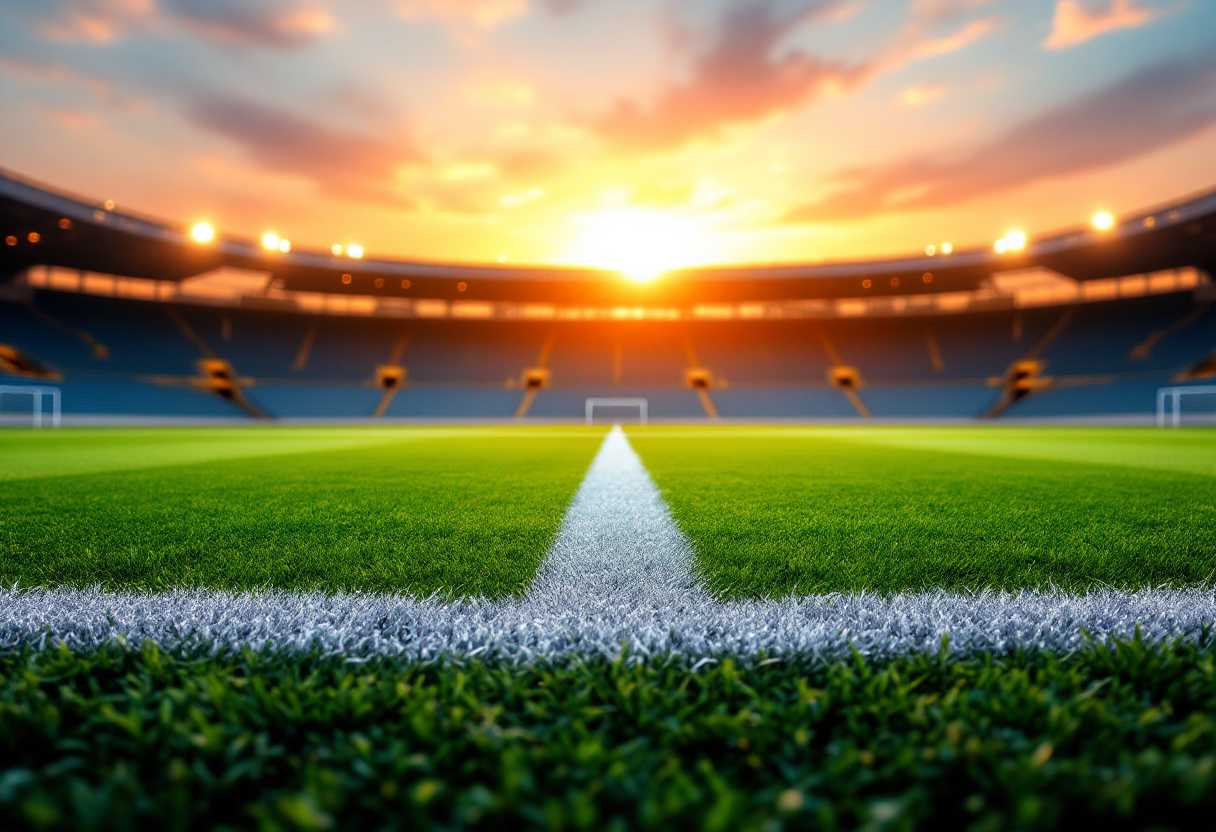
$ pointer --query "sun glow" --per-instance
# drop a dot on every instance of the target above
(639, 243)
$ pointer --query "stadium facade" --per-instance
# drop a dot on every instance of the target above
(1089, 322)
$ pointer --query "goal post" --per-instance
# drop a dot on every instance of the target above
(1173, 395)
(640, 404)
(37, 393)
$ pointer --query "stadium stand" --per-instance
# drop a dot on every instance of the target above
(97, 302)
(122, 357)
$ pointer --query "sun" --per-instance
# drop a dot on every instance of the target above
(642, 244)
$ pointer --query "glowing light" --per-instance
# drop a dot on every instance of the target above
(930, 250)
(202, 233)
(270, 241)
(284, 246)
(336, 248)
(354, 250)
(641, 244)
(947, 248)
(1012, 241)
(1103, 221)
(34, 237)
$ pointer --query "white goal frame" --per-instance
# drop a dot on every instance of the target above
(37, 393)
(641, 404)
(1175, 394)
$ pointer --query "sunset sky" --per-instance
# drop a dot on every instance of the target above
(570, 130)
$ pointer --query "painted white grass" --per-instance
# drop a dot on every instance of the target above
(825, 626)
(619, 577)
(618, 547)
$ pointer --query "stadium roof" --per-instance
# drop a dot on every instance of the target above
(45, 226)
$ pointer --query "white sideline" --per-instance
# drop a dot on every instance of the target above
(619, 576)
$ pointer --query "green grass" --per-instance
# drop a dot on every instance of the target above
(1102, 738)
(472, 511)
(774, 511)
(457, 512)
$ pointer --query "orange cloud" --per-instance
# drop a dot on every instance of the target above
(1075, 23)
(964, 37)
(485, 14)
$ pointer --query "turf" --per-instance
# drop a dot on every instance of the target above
(1120, 738)
(394, 510)
(772, 511)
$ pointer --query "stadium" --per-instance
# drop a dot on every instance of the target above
(301, 535)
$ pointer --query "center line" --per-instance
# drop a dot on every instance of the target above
(617, 545)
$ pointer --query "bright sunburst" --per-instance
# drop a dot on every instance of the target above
(640, 243)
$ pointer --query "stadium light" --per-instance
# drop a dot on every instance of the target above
(202, 233)
(355, 251)
(336, 249)
(270, 241)
(1012, 241)
(1103, 221)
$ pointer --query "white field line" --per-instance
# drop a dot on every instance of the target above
(619, 576)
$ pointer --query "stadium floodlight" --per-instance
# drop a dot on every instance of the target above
(641, 404)
(37, 393)
(202, 233)
(355, 251)
(1013, 240)
(1174, 395)
(1103, 221)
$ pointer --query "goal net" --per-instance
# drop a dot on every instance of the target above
(26, 405)
(1195, 405)
(616, 408)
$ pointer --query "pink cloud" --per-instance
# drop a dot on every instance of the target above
(343, 164)
(95, 21)
(738, 80)
(1075, 22)
(273, 23)
(1143, 112)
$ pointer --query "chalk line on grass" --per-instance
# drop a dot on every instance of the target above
(618, 546)
(619, 576)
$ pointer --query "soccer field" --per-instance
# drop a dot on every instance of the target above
(472, 512)
(744, 628)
